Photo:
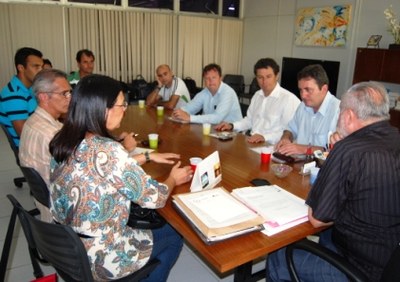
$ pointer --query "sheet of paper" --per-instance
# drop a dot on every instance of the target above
(259, 149)
(273, 203)
(272, 229)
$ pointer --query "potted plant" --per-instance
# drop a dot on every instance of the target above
(394, 27)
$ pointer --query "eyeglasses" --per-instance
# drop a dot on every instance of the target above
(124, 105)
(66, 93)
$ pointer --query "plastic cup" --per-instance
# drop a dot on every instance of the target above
(206, 128)
(194, 162)
(265, 156)
(313, 174)
(160, 111)
(153, 140)
(141, 104)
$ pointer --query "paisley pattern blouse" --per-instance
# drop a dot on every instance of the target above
(92, 194)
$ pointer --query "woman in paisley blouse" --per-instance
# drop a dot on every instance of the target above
(93, 181)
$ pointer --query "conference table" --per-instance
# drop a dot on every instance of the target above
(239, 165)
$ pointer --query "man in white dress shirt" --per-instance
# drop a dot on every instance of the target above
(271, 107)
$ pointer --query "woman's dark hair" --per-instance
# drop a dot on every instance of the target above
(87, 112)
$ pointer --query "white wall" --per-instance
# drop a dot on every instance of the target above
(269, 32)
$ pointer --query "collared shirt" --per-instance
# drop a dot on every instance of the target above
(34, 152)
(269, 115)
(36, 135)
(223, 106)
(312, 128)
(358, 189)
(16, 103)
(179, 88)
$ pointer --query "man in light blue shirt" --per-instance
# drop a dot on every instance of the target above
(315, 117)
(218, 101)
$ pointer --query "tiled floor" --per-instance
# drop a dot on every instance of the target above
(188, 268)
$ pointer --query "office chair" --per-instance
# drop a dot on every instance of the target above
(390, 273)
(253, 88)
(61, 247)
(33, 253)
(18, 181)
(37, 185)
(236, 81)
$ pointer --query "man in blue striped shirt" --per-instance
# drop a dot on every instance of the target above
(356, 192)
(17, 101)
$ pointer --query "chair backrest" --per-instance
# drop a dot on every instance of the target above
(326, 254)
(253, 87)
(37, 185)
(11, 142)
(61, 247)
(236, 81)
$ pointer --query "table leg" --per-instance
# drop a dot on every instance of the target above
(243, 273)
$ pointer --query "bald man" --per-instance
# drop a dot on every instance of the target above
(171, 91)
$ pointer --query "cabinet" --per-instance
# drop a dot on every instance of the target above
(379, 65)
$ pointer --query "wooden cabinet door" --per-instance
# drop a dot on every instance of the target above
(391, 66)
(369, 64)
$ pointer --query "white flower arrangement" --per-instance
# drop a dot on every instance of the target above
(394, 26)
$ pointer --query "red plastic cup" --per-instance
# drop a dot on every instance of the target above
(265, 156)
(194, 162)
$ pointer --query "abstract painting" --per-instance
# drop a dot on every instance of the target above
(324, 26)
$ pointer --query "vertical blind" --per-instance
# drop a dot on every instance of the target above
(125, 43)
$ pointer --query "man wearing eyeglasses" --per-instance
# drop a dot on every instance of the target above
(17, 102)
(53, 93)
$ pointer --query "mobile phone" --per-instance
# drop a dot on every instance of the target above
(283, 157)
(260, 182)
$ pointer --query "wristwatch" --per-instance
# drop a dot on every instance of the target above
(147, 156)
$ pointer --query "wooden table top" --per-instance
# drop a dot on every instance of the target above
(239, 165)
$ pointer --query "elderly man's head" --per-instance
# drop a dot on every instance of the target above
(364, 103)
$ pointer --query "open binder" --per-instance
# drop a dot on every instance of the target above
(216, 215)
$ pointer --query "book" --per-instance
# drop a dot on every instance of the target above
(280, 208)
(216, 215)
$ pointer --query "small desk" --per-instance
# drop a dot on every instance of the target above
(239, 165)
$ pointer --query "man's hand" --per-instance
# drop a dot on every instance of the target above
(181, 114)
(292, 149)
(335, 137)
(256, 138)
(223, 126)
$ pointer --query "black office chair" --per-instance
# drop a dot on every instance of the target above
(33, 253)
(390, 273)
(18, 181)
(60, 246)
(236, 81)
(253, 88)
(37, 185)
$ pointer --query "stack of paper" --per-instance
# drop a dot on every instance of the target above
(280, 209)
(217, 214)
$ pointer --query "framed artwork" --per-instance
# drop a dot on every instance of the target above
(323, 26)
(374, 41)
